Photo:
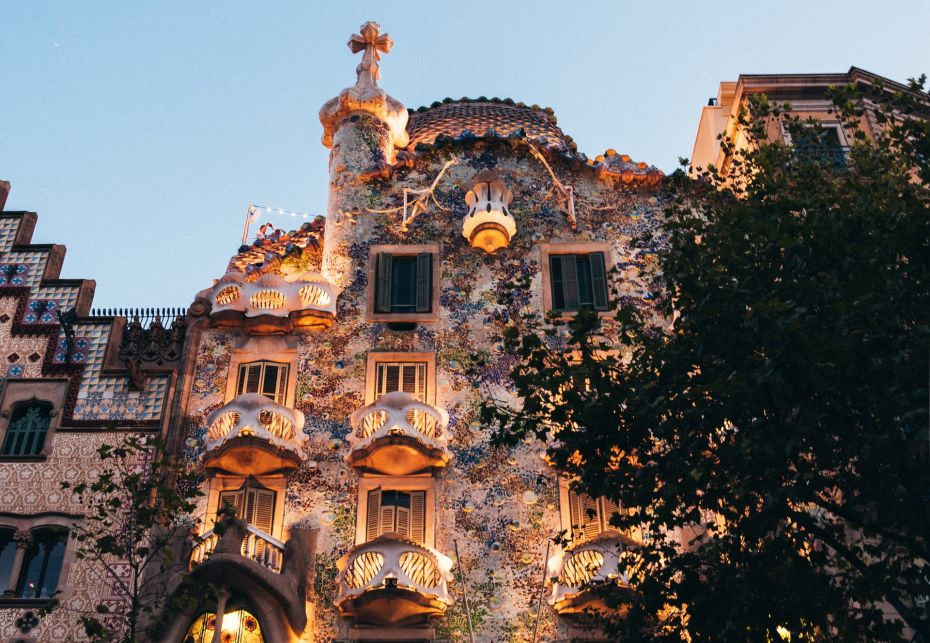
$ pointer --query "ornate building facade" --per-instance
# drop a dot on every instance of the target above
(328, 387)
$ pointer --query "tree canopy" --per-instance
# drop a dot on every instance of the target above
(765, 423)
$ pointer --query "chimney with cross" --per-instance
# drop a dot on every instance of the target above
(364, 101)
(364, 128)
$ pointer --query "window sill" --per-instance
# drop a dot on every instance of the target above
(402, 317)
(23, 458)
(568, 315)
(19, 602)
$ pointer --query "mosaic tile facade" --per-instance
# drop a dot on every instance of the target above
(499, 506)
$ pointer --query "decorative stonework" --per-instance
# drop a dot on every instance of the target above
(365, 95)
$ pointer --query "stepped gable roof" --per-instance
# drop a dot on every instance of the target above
(503, 116)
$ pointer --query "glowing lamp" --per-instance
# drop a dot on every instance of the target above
(488, 224)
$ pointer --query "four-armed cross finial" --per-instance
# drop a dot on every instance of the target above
(373, 42)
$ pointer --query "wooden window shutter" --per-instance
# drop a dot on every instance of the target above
(592, 516)
(570, 282)
(372, 523)
(263, 515)
(424, 282)
(555, 282)
(234, 499)
(576, 515)
(383, 277)
(272, 380)
(388, 513)
(608, 509)
(598, 280)
(418, 516)
(250, 378)
(402, 521)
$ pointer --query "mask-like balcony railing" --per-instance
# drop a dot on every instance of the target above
(393, 581)
(580, 567)
(272, 303)
(263, 548)
(398, 435)
(253, 435)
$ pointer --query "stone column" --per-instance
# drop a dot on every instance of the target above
(221, 598)
(23, 540)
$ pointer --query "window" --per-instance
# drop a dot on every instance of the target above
(403, 286)
(7, 556)
(409, 377)
(589, 516)
(404, 283)
(824, 144)
(399, 512)
(578, 281)
(238, 626)
(267, 378)
(28, 428)
(253, 503)
(41, 567)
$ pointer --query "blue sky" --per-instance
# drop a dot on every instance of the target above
(141, 131)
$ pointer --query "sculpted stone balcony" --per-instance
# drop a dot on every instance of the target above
(580, 568)
(272, 303)
(398, 435)
(393, 581)
(269, 574)
(252, 435)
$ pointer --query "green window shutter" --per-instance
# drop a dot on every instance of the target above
(598, 280)
(424, 282)
(418, 516)
(372, 523)
(570, 282)
(556, 280)
(383, 277)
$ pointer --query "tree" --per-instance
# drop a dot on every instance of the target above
(771, 411)
(135, 509)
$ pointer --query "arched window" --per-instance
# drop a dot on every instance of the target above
(238, 627)
(28, 428)
(38, 577)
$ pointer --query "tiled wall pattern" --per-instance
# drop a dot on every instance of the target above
(499, 505)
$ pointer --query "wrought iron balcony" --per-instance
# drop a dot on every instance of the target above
(271, 303)
(398, 435)
(579, 568)
(393, 581)
(263, 548)
(252, 435)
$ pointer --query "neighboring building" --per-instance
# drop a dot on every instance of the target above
(61, 399)
(808, 97)
(330, 381)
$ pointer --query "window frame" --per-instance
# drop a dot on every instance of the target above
(375, 358)
(281, 388)
(280, 349)
(547, 250)
(35, 522)
(222, 483)
(25, 406)
(825, 124)
(565, 512)
(425, 483)
(52, 391)
(371, 309)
